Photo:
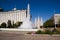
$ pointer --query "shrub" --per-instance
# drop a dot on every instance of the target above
(57, 32)
(39, 32)
(3, 25)
(29, 32)
(48, 32)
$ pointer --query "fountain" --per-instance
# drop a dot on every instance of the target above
(27, 24)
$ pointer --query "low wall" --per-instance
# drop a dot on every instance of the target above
(15, 29)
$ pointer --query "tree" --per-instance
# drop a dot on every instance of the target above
(1, 9)
(9, 24)
(17, 24)
(3, 25)
(49, 23)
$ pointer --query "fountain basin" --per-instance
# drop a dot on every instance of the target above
(15, 29)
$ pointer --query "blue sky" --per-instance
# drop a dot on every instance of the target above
(41, 8)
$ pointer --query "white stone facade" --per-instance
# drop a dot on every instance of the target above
(14, 15)
(56, 18)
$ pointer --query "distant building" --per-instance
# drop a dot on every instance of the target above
(14, 15)
(56, 18)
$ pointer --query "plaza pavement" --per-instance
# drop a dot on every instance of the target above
(6, 35)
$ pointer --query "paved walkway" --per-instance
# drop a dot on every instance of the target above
(19, 36)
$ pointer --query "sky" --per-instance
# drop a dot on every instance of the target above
(42, 8)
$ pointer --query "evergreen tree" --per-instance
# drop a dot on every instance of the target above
(49, 23)
(3, 25)
(9, 24)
